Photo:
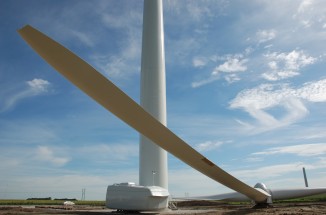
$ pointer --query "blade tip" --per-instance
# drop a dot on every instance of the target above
(24, 28)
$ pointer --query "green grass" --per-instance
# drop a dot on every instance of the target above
(315, 198)
(48, 202)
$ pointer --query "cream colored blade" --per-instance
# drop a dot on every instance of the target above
(113, 99)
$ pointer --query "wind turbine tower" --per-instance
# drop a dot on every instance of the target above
(153, 168)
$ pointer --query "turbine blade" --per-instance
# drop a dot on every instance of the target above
(116, 101)
(278, 194)
(281, 194)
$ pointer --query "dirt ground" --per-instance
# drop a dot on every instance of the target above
(278, 209)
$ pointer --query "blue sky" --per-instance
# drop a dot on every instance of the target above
(246, 86)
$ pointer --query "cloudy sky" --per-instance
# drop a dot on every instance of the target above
(246, 86)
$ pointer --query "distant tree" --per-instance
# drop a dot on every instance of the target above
(46, 198)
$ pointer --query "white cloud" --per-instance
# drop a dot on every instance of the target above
(265, 35)
(110, 152)
(254, 159)
(268, 172)
(257, 101)
(315, 149)
(311, 14)
(286, 65)
(16, 94)
(211, 79)
(232, 78)
(126, 60)
(123, 64)
(279, 75)
(44, 153)
(127, 20)
(305, 4)
(181, 49)
(232, 65)
(208, 146)
(199, 61)
(313, 91)
(84, 38)
(195, 11)
(38, 85)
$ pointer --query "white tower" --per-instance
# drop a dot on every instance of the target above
(153, 159)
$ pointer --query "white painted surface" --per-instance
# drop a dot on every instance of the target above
(128, 196)
(277, 194)
(153, 170)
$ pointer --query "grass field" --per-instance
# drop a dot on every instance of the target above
(316, 198)
(48, 202)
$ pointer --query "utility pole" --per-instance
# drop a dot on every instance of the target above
(305, 176)
(83, 194)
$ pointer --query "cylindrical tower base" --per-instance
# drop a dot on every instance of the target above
(153, 159)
